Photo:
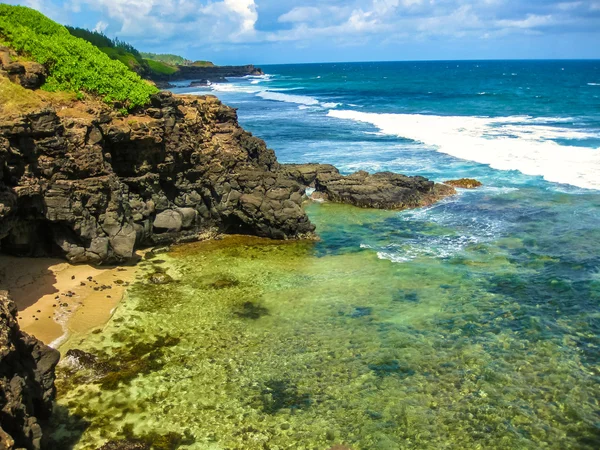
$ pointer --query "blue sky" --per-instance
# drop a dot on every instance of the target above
(286, 31)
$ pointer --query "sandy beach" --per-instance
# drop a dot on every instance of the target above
(57, 300)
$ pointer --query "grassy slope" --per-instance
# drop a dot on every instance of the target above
(160, 68)
(74, 64)
(15, 99)
(170, 59)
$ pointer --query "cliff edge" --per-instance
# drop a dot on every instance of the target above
(81, 180)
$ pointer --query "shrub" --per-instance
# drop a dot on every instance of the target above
(73, 64)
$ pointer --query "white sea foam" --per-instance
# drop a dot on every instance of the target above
(232, 87)
(593, 84)
(330, 105)
(288, 98)
(506, 143)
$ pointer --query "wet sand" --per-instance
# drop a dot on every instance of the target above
(56, 299)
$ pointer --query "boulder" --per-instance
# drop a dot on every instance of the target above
(169, 220)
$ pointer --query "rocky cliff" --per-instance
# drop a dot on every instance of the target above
(80, 181)
(26, 382)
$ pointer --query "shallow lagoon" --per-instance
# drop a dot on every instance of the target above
(397, 330)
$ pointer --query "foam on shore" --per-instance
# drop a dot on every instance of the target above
(505, 143)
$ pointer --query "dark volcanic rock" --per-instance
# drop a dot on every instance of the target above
(383, 190)
(306, 174)
(96, 187)
(26, 382)
(30, 75)
(464, 183)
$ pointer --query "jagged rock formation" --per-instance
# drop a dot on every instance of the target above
(26, 382)
(383, 190)
(93, 186)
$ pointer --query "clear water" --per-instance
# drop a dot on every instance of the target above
(470, 324)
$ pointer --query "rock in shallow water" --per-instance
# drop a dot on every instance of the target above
(160, 278)
(464, 183)
(382, 190)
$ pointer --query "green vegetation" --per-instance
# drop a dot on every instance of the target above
(161, 68)
(172, 60)
(202, 64)
(93, 37)
(115, 49)
(74, 65)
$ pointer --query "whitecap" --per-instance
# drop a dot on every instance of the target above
(593, 84)
(503, 143)
(288, 98)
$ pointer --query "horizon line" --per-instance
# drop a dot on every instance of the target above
(428, 60)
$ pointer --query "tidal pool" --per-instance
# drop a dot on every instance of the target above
(396, 331)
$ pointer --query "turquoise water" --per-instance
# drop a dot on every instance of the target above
(471, 324)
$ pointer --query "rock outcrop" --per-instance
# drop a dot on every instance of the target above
(28, 74)
(89, 185)
(464, 183)
(383, 190)
(26, 382)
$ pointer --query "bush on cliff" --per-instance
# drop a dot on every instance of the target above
(115, 49)
(73, 64)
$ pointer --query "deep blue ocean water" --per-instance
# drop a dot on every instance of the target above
(470, 324)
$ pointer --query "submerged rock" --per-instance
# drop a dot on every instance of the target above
(464, 183)
(26, 382)
(160, 278)
(125, 445)
(250, 310)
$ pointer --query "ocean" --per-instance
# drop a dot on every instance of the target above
(473, 323)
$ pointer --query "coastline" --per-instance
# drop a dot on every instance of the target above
(57, 301)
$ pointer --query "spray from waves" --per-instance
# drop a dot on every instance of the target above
(505, 143)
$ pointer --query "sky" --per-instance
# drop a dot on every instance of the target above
(287, 31)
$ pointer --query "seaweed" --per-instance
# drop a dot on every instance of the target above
(281, 394)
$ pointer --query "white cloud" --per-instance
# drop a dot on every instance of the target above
(101, 27)
(301, 14)
(225, 20)
(246, 9)
(531, 21)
